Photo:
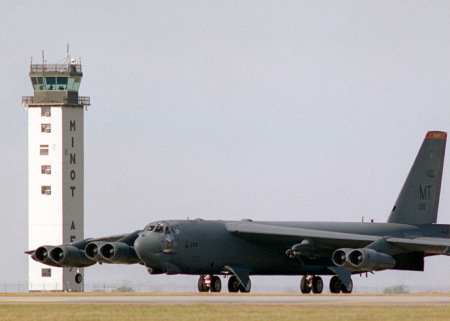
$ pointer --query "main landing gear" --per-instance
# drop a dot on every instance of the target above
(314, 283)
(212, 283)
(311, 282)
(208, 283)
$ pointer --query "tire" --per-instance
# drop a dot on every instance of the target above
(317, 285)
(202, 287)
(233, 284)
(216, 284)
(344, 289)
(335, 284)
(243, 290)
(78, 278)
(304, 285)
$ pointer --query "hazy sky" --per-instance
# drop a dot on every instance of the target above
(283, 110)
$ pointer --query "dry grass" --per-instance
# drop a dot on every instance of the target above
(220, 312)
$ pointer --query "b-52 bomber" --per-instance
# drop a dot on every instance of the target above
(238, 249)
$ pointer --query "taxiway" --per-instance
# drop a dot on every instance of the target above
(235, 299)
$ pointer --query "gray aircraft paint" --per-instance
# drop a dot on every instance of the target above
(418, 201)
(244, 248)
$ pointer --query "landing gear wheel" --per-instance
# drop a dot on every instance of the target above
(344, 288)
(202, 287)
(317, 285)
(305, 287)
(335, 284)
(243, 290)
(216, 284)
(78, 278)
(233, 284)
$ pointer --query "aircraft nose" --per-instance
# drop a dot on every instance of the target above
(146, 246)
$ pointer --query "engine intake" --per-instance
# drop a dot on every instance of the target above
(111, 252)
(41, 255)
(362, 259)
(70, 256)
(340, 258)
(119, 252)
(92, 251)
(371, 260)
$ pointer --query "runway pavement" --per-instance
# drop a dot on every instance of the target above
(234, 299)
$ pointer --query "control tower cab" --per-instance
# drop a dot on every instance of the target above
(56, 84)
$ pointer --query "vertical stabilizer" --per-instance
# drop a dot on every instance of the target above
(418, 201)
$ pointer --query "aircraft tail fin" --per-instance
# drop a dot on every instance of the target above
(418, 200)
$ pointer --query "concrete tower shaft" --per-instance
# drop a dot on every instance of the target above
(55, 167)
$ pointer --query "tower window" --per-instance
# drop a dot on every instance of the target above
(38, 83)
(73, 83)
(61, 83)
(44, 149)
(46, 273)
(46, 128)
(50, 83)
(46, 190)
(46, 112)
(46, 169)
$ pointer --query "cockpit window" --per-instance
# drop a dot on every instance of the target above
(167, 231)
(159, 229)
(151, 228)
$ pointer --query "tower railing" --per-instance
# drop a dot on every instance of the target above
(82, 100)
(55, 68)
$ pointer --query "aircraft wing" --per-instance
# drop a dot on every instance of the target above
(108, 249)
(328, 239)
(272, 234)
(111, 238)
(433, 245)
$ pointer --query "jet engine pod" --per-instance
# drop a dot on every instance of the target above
(70, 256)
(42, 255)
(92, 252)
(370, 260)
(340, 258)
(119, 252)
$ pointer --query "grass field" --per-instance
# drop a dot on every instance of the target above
(219, 312)
(216, 312)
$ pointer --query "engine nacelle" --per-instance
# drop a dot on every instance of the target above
(41, 255)
(370, 260)
(92, 252)
(340, 258)
(70, 256)
(118, 252)
(362, 260)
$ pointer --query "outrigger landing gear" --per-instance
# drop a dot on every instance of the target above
(78, 278)
(208, 283)
(311, 282)
(235, 286)
(336, 285)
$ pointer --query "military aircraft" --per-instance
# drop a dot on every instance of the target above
(238, 249)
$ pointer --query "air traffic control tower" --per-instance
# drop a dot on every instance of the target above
(55, 168)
